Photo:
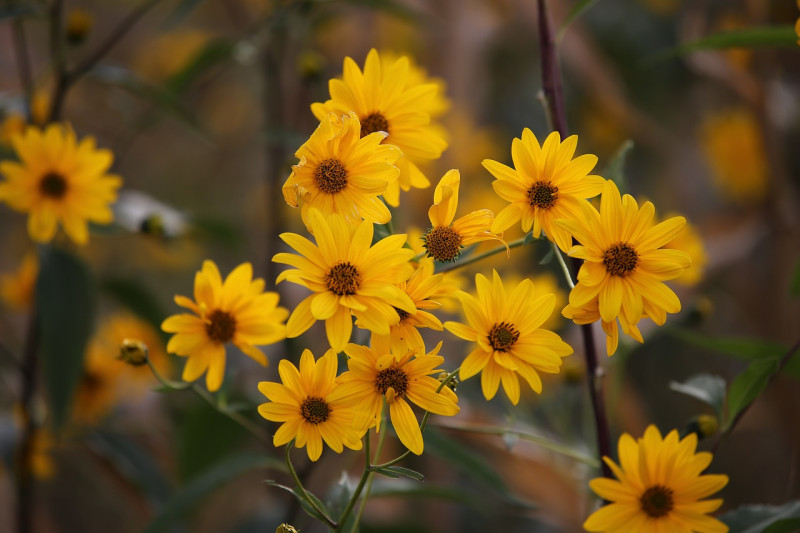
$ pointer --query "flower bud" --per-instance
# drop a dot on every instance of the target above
(452, 384)
(133, 351)
(286, 528)
(703, 425)
(79, 24)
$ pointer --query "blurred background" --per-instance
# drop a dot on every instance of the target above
(205, 102)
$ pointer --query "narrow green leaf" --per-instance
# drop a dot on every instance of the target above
(749, 384)
(303, 503)
(65, 304)
(706, 388)
(781, 36)
(191, 494)
(426, 493)
(548, 258)
(399, 471)
(576, 11)
(763, 518)
(615, 168)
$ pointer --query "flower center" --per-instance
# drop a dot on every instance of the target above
(394, 378)
(372, 123)
(221, 326)
(542, 195)
(402, 314)
(343, 279)
(443, 243)
(330, 176)
(657, 501)
(502, 336)
(53, 185)
(315, 410)
(620, 259)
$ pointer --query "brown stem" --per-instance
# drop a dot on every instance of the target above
(23, 64)
(554, 97)
(24, 476)
(57, 58)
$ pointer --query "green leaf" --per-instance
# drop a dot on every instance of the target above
(706, 388)
(190, 495)
(615, 168)
(204, 438)
(426, 493)
(740, 348)
(303, 503)
(749, 384)
(576, 11)
(782, 36)
(764, 518)
(549, 256)
(137, 298)
(65, 304)
(395, 472)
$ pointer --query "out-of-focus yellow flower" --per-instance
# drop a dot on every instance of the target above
(376, 375)
(40, 107)
(384, 100)
(41, 458)
(624, 264)
(312, 406)
(417, 75)
(347, 276)
(740, 58)
(547, 283)
(734, 147)
(342, 171)
(689, 240)
(13, 124)
(107, 381)
(59, 180)
(447, 237)
(506, 326)
(546, 184)
(17, 289)
(165, 55)
(660, 486)
(79, 24)
(236, 311)
(797, 24)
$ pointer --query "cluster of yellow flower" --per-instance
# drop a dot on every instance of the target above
(373, 131)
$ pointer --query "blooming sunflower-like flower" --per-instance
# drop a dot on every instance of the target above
(506, 327)
(546, 184)
(347, 276)
(446, 237)
(342, 172)
(625, 264)
(659, 487)
(421, 288)
(236, 311)
(59, 179)
(385, 99)
(311, 406)
(376, 375)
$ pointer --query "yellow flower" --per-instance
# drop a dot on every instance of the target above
(311, 406)
(421, 288)
(624, 263)
(417, 75)
(59, 180)
(688, 239)
(659, 487)
(506, 327)
(17, 290)
(446, 238)
(734, 146)
(13, 124)
(342, 172)
(41, 458)
(236, 310)
(108, 381)
(347, 276)
(386, 100)
(590, 312)
(376, 375)
(165, 55)
(546, 184)
(79, 23)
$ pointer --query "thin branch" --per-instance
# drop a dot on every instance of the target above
(23, 64)
(475, 258)
(328, 520)
(554, 97)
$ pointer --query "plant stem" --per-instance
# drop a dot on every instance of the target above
(371, 478)
(563, 265)
(248, 425)
(23, 64)
(359, 488)
(475, 258)
(554, 97)
(301, 488)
